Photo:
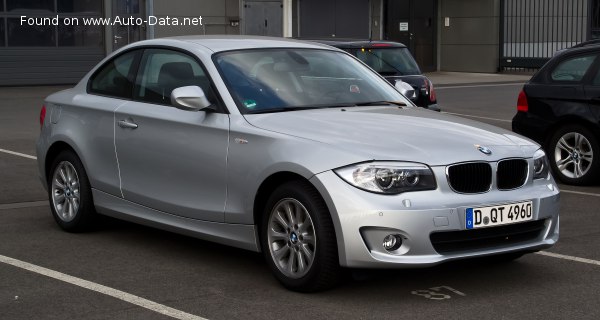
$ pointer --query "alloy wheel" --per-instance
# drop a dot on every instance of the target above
(291, 238)
(66, 196)
(573, 155)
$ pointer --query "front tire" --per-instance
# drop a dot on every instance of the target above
(574, 155)
(70, 194)
(298, 238)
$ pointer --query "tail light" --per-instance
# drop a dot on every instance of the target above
(432, 96)
(522, 104)
(42, 115)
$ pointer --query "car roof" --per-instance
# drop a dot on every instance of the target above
(218, 43)
(356, 43)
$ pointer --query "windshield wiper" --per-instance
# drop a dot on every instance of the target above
(286, 109)
(379, 103)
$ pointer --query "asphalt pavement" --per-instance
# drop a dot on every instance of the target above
(126, 271)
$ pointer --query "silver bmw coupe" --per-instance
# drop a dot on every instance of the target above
(294, 149)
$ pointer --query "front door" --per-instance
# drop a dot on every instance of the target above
(413, 23)
(263, 18)
(126, 32)
(172, 160)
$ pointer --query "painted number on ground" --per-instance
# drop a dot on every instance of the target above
(438, 293)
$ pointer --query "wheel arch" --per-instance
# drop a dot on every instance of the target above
(267, 186)
(566, 121)
(53, 151)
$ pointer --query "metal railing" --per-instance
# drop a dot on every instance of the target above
(531, 31)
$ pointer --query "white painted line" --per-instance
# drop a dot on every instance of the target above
(571, 258)
(18, 154)
(580, 193)
(478, 117)
(118, 294)
(480, 86)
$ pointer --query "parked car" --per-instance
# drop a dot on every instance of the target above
(294, 149)
(395, 63)
(559, 108)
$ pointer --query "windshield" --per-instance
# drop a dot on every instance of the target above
(389, 61)
(269, 80)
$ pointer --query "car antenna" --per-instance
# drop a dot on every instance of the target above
(371, 35)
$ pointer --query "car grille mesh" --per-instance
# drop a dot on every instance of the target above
(487, 238)
(511, 174)
(470, 177)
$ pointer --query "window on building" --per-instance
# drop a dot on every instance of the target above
(80, 36)
(595, 25)
(166, 70)
(30, 5)
(572, 69)
(29, 36)
(115, 78)
(79, 6)
(2, 29)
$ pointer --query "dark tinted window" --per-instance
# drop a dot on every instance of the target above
(80, 36)
(389, 61)
(164, 70)
(572, 69)
(2, 42)
(29, 36)
(80, 6)
(114, 78)
(30, 5)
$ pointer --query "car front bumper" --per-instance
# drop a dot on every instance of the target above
(362, 219)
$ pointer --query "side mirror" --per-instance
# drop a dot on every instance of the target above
(190, 98)
(406, 89)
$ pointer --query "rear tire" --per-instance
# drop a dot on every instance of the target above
(574, 155)
(70, 193)
(298, 239)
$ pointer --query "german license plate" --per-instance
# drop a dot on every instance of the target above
(484, 217)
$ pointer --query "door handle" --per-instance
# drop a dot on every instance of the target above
(127, 125)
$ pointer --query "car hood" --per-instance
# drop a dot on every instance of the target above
(393, 133)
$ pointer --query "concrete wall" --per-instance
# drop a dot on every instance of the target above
(470, 42)
(216, 15)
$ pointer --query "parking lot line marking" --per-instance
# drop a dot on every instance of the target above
(18, 205)
(18, 154)
(580, 193)
(481, 85)
(571, 258)
(118, 294)
(470, 116)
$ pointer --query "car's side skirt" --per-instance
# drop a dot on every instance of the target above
(235, 235)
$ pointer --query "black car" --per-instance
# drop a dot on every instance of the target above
(394, 62)
(560, 109)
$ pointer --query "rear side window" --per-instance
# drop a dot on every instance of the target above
(163, 70)
(115, 78)
(573, 69)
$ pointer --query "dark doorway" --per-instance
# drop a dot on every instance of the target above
(263, 18)
(413, 23)
(334, 19)
(124, 34)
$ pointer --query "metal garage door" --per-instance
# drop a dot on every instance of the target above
(334, 18)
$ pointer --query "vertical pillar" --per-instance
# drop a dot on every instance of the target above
(149, 12)
(287, 18)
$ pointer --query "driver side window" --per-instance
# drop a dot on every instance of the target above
(162, 71)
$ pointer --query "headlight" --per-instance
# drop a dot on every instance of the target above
(388, 177)
(540, 165)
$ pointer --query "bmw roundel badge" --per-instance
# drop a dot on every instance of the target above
(484, 150)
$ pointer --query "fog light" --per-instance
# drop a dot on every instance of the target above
(392, 242)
